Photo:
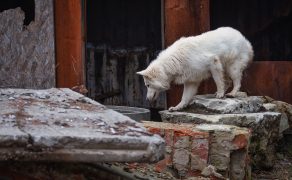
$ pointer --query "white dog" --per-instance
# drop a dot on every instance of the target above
(192, 59)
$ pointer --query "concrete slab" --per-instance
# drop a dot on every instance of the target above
(61, 125)
(204, 104)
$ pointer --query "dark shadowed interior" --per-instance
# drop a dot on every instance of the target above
(267, 24)
(123, 37)
(28, 6)
(124, 24)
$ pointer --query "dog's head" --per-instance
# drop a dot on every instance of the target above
(155, 80)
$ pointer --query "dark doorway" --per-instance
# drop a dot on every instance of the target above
(124, 23)
(267, 24)
(28, 6)
(123, 37)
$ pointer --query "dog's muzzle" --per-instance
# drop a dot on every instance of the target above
(152, 96)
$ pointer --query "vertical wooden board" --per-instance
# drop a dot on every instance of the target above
(269, 78)
(184, 18)
(68, 29)
(112, 78)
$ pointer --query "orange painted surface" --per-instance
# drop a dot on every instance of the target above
(263, 78)
(269, 78)
(191, 17)
(184, 18)
(68, 33)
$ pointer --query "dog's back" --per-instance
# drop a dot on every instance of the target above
(193, 55)
(226, 43)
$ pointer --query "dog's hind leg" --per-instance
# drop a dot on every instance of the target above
(190, 90)
(235, 73)
(218, 76)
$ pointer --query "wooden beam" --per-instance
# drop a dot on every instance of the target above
(184, 18)
(68, 30)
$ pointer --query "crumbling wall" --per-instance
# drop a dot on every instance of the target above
(27, 54)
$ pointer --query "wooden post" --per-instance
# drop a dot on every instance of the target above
(69, 41)
(184, 18)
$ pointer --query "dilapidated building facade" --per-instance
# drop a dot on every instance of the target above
(101, 44)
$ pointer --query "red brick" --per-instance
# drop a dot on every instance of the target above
(168, 137)
(184, 146)
(181, 141)
(240, 141)
(189, 149)
(162, 165)
(155, 130)
(200, 147)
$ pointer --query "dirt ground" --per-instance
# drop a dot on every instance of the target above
(281, 171)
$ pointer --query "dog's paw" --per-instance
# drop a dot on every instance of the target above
(238, 94)
(171, 109)
(219, 94)
(232, 95)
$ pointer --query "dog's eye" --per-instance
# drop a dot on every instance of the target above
(147, 85)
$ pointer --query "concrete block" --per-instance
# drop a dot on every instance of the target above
(61, 125)
(203, 104)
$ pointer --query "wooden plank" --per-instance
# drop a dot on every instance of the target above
(263, 78)
(269, 78)
(68, 23)
(184, 18)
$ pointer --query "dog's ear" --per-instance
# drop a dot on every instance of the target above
(144, 74)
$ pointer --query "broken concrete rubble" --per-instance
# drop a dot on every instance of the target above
(192, 148)
(251, 112)
(208, 104)
(280, 106)
(61, 125)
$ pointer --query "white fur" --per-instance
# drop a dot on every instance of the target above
(192, 59)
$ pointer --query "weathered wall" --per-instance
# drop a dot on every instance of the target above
(123, 37)
(112, 78)
(27, 55)
(267, 24)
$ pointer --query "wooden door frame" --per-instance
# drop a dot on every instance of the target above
(262, 78)
(69, 43)
(183, 18)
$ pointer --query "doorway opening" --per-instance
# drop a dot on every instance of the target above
(28, 6)
(123, 37)
(266, 24)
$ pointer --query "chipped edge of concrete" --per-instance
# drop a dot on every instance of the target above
(140, 148)
(186, 117)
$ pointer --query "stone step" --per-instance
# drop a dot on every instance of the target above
(192, 149)
(61, 125)
(249, 112)
(209, 104)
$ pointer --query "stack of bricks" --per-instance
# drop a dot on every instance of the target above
(191, 149)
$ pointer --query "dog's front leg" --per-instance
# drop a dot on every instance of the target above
(190, 90)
